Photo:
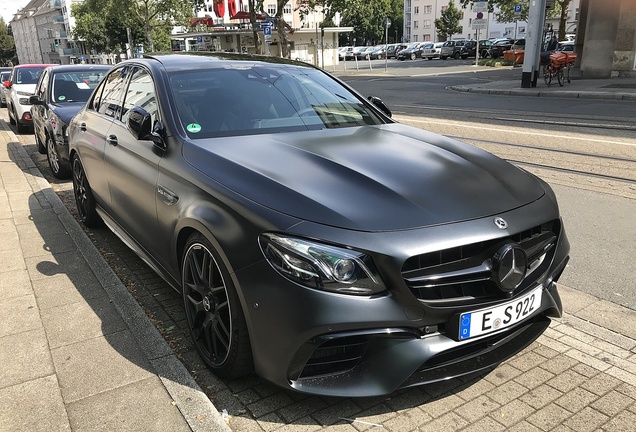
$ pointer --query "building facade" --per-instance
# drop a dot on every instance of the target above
(41, 31)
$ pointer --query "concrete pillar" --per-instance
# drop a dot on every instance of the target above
(600, 37)
(625, 49)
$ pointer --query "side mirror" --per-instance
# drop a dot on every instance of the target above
(139, 124)
(380, 105)
(35, 100)
(7, 84)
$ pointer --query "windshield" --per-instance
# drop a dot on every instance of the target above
(75, 86)
(237, 101)
(4, 76)
(27, 75)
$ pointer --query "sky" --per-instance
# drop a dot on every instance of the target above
(9, 7)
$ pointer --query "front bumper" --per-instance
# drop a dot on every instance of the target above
(342, 345)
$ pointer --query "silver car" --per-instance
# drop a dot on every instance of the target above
(4, 76)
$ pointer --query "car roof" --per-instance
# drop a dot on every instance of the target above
(189, 61)
(20, 66)
(79, 67)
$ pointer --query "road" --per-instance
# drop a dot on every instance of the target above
(586, 149)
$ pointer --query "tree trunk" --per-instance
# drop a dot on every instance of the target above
(257, 44)
(282, 35)
(563, 22)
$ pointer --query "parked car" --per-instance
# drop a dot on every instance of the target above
(314, 239)
(21, 85)
(452, 49)
(432, 50)
(60, 93)
(392, 50)
(470, 49)
(342, 52)
(497, 49)
(411, 52)
(5, 73)
(359, 52)
(375, 53)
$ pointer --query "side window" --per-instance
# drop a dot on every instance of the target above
(43, 84)
(97, 96)
(111, 98)
(141, 93)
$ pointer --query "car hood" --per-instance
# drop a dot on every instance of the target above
(373, 178)
(67, 111)
(26, 88)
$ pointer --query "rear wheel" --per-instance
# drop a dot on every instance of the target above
(11, 116)
(413, 56)
(456, 56)
(21, 128)
(214, 313)
(84, 198)
(547, 74)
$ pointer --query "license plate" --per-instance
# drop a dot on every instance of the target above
(486, 321)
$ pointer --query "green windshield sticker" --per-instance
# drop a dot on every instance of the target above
(61, 98)
(194, 128)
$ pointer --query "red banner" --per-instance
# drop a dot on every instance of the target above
(219, 8)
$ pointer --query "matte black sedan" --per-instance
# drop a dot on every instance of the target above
(315, 240)
(60, 93)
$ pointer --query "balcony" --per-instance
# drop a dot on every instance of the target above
(58, 19)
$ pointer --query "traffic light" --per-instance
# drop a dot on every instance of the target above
(57, 43)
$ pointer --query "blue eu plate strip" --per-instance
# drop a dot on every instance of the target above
(464, 326)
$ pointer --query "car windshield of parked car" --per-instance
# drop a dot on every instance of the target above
(4, 76)
(75, 86)
(27, 75)
(260, 99)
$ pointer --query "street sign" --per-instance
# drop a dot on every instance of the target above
(549, 4)
(387, 22)
(267, 32)
(517, 8)
(480, 6)
(479, 24)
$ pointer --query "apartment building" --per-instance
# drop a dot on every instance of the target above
(420, 16)
(41, 31)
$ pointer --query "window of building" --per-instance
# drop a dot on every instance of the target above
(427, 23)
(287, 9)
(415, 38)
(416, 9)
(416, 24)
(271, 9)
(428, 9)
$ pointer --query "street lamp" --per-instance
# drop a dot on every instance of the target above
(387, 24)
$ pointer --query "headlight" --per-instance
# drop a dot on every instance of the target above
(22, 93)
(322, 266)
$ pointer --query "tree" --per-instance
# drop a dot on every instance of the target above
(8, 56)
(365, 16)
(448, 23)
(506, 11)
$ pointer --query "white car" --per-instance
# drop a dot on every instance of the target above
(21, 85)
(432, 50)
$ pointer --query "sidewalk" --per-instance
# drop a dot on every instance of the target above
(77, 351)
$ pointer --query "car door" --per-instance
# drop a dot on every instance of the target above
(132, 165)
(92, 125)
(38, 112)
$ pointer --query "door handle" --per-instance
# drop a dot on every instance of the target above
(82, 127)
(112, 140)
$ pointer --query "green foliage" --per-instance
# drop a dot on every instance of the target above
(8, 55)
(365, 16)
(448, 23)
(506, 9)
(102, 24)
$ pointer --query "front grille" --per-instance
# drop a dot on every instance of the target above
(463, 275)
(335, 356)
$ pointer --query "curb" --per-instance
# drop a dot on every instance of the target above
(194, 405)
(543, 93)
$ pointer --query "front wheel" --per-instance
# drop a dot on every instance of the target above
(456, 56)
(84, 198)
(215, 317)
(560, 76)
(53, 158)
(413, 56)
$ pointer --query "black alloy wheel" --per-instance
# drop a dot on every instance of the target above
(456, 55)
(214, 314)
(84, 198)
(54, 159)
(413, 56)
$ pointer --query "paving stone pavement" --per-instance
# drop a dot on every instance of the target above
(579, 376)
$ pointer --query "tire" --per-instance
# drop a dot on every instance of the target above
(84, 198)
(20, 127)
(456, 56)
(11, 118)
(380, 57)
(547, 75)
(53, 158)
(413, 56)
(560, 77)
(215, 317)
